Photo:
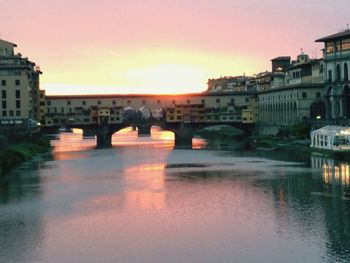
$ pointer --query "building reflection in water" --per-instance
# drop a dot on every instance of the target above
(333, 171)
(21, 222)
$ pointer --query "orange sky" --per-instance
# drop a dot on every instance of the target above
(161, 46)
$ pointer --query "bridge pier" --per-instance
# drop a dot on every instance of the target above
(183, 136)
(144, 130)
(104, 137)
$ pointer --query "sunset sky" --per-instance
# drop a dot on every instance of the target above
(162, 46)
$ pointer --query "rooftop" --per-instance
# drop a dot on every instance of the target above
(333, 130)
(336, 36)
(7, 42)
(281, 58)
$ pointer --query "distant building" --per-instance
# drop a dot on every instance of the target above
(280, 63)
(336, 54)
(228, 84)
(291, 95)
(19, 85)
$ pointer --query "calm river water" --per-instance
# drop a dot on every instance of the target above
(142, 201)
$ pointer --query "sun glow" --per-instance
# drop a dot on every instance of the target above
(168, 71)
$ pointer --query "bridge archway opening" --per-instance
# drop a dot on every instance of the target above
(77, 131)
(161, 133)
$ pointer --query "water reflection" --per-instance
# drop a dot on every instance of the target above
(333, 171)
(21, 221)
(142, 201)
(151, 196)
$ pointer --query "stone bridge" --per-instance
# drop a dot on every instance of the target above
(104, 115)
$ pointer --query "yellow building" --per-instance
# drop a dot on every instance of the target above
(19, 85)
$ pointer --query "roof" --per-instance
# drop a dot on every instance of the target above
(339, 35)
(333, 130)
(1, 40)
(281, 58)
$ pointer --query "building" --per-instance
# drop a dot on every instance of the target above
(293, 94)
(331, 138)
(280, 63)
(228, 84)
(336, 54)
(19, 85)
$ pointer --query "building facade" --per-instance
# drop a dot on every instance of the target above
(239, 107)
(336, 55)
(19, 85)
(294, 97)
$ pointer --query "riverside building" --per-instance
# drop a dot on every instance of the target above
(293, 94)
(19, 85)
(336, 54)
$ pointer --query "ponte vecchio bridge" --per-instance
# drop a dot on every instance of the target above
(104, 115)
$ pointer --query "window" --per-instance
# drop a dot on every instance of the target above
(3, 82)
(330, 75)
(3, 94)
(48, 103)
(203, 101)
(128, 102)
(83, 102)
(4, 104)
(318, 94)
(17, 82)
(18, 113)
(338, 72)
(188, 101)
(69, 102)
(304, 95)
(62, 110)
(217, 100)
(11, 113)
(99, 102)
(246, 99)
(18, 94)
(338, 45)
(346, 72)
(346, 44)
(114, 102)
(18, 104)
(329, 47)
(4, 113)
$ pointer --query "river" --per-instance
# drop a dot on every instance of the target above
(142, 201)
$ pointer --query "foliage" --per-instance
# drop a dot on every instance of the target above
(21, 152)
(300, 130)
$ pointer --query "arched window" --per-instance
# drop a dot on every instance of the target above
(338, 72)
(346, 72)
